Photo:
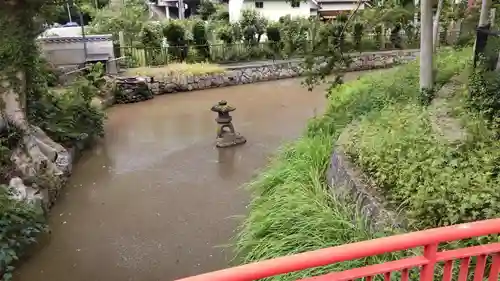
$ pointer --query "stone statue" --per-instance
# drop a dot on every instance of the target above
(226, 135)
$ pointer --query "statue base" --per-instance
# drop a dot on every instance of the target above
(230, 139)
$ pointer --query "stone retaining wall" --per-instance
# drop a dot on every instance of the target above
(347, 182)
(270, 71)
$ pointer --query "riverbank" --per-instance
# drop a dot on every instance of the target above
(248, 73)
(293, 208)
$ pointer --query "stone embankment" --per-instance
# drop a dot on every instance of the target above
(264, 71)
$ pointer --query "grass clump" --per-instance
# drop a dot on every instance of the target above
(176, 69)
(291, 209)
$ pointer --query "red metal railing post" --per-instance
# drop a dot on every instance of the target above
(430, 253)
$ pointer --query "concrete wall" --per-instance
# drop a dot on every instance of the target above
(70, 50)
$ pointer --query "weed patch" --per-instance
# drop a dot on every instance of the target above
(292, 210)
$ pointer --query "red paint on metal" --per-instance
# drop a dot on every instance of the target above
(429, 239)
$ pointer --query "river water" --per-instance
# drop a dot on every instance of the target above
(155, 200)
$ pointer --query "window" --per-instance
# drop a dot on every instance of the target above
(295, 4)
(259, 5)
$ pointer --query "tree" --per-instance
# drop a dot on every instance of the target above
(129, 18)
(37, 156)
(252, 23)
(206, 9)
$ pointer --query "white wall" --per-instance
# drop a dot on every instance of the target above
(274, 9)
(234, 8)
(332, 6)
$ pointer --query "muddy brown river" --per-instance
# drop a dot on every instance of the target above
(155, 200)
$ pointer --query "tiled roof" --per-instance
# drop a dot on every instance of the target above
(89, 38)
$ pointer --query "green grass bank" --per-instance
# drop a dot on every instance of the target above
(291, 210)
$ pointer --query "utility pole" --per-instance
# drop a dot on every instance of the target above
(181, 9)
(426, 72)
(484, 16)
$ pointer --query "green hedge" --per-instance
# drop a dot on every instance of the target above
(291, 209)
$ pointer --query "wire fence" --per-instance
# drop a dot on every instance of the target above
(244, 52)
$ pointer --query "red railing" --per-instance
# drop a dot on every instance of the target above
(428, 239)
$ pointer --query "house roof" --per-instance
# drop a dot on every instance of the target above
(88, 38)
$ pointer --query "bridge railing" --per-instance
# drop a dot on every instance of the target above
(428, 239)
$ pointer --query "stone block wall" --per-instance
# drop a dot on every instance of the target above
(348, 183)
(270, 71)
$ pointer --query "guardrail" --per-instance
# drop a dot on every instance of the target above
(428, 239)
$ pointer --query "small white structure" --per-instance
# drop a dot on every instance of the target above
(66, 46)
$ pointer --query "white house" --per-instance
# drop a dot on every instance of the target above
(274, 9)
(331, 8)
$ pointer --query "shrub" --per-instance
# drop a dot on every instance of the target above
(200, 40)
(357, 35)
(273, 33)
(291, 210)
(68, 116)
(274, 36)
(206, 9)
(253, 25)
(9, 139)
(483, 95)
(484, 82)
(175, 34)
(435, 183)
(379, 36)
(20, 225)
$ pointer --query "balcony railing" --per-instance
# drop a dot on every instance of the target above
(426, 262)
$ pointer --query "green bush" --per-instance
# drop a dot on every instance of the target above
(68, 116)
(434, 182)
(483, 93)
(9, 139)
(200, 40)
(206, 9)
(291, 210)
(357, 35)
(20, 225)
(175, 34)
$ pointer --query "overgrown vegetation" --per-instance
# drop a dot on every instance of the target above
(20, 226)
(65, 117)
(292, 211)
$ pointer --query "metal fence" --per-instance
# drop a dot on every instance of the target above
(241, 52)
